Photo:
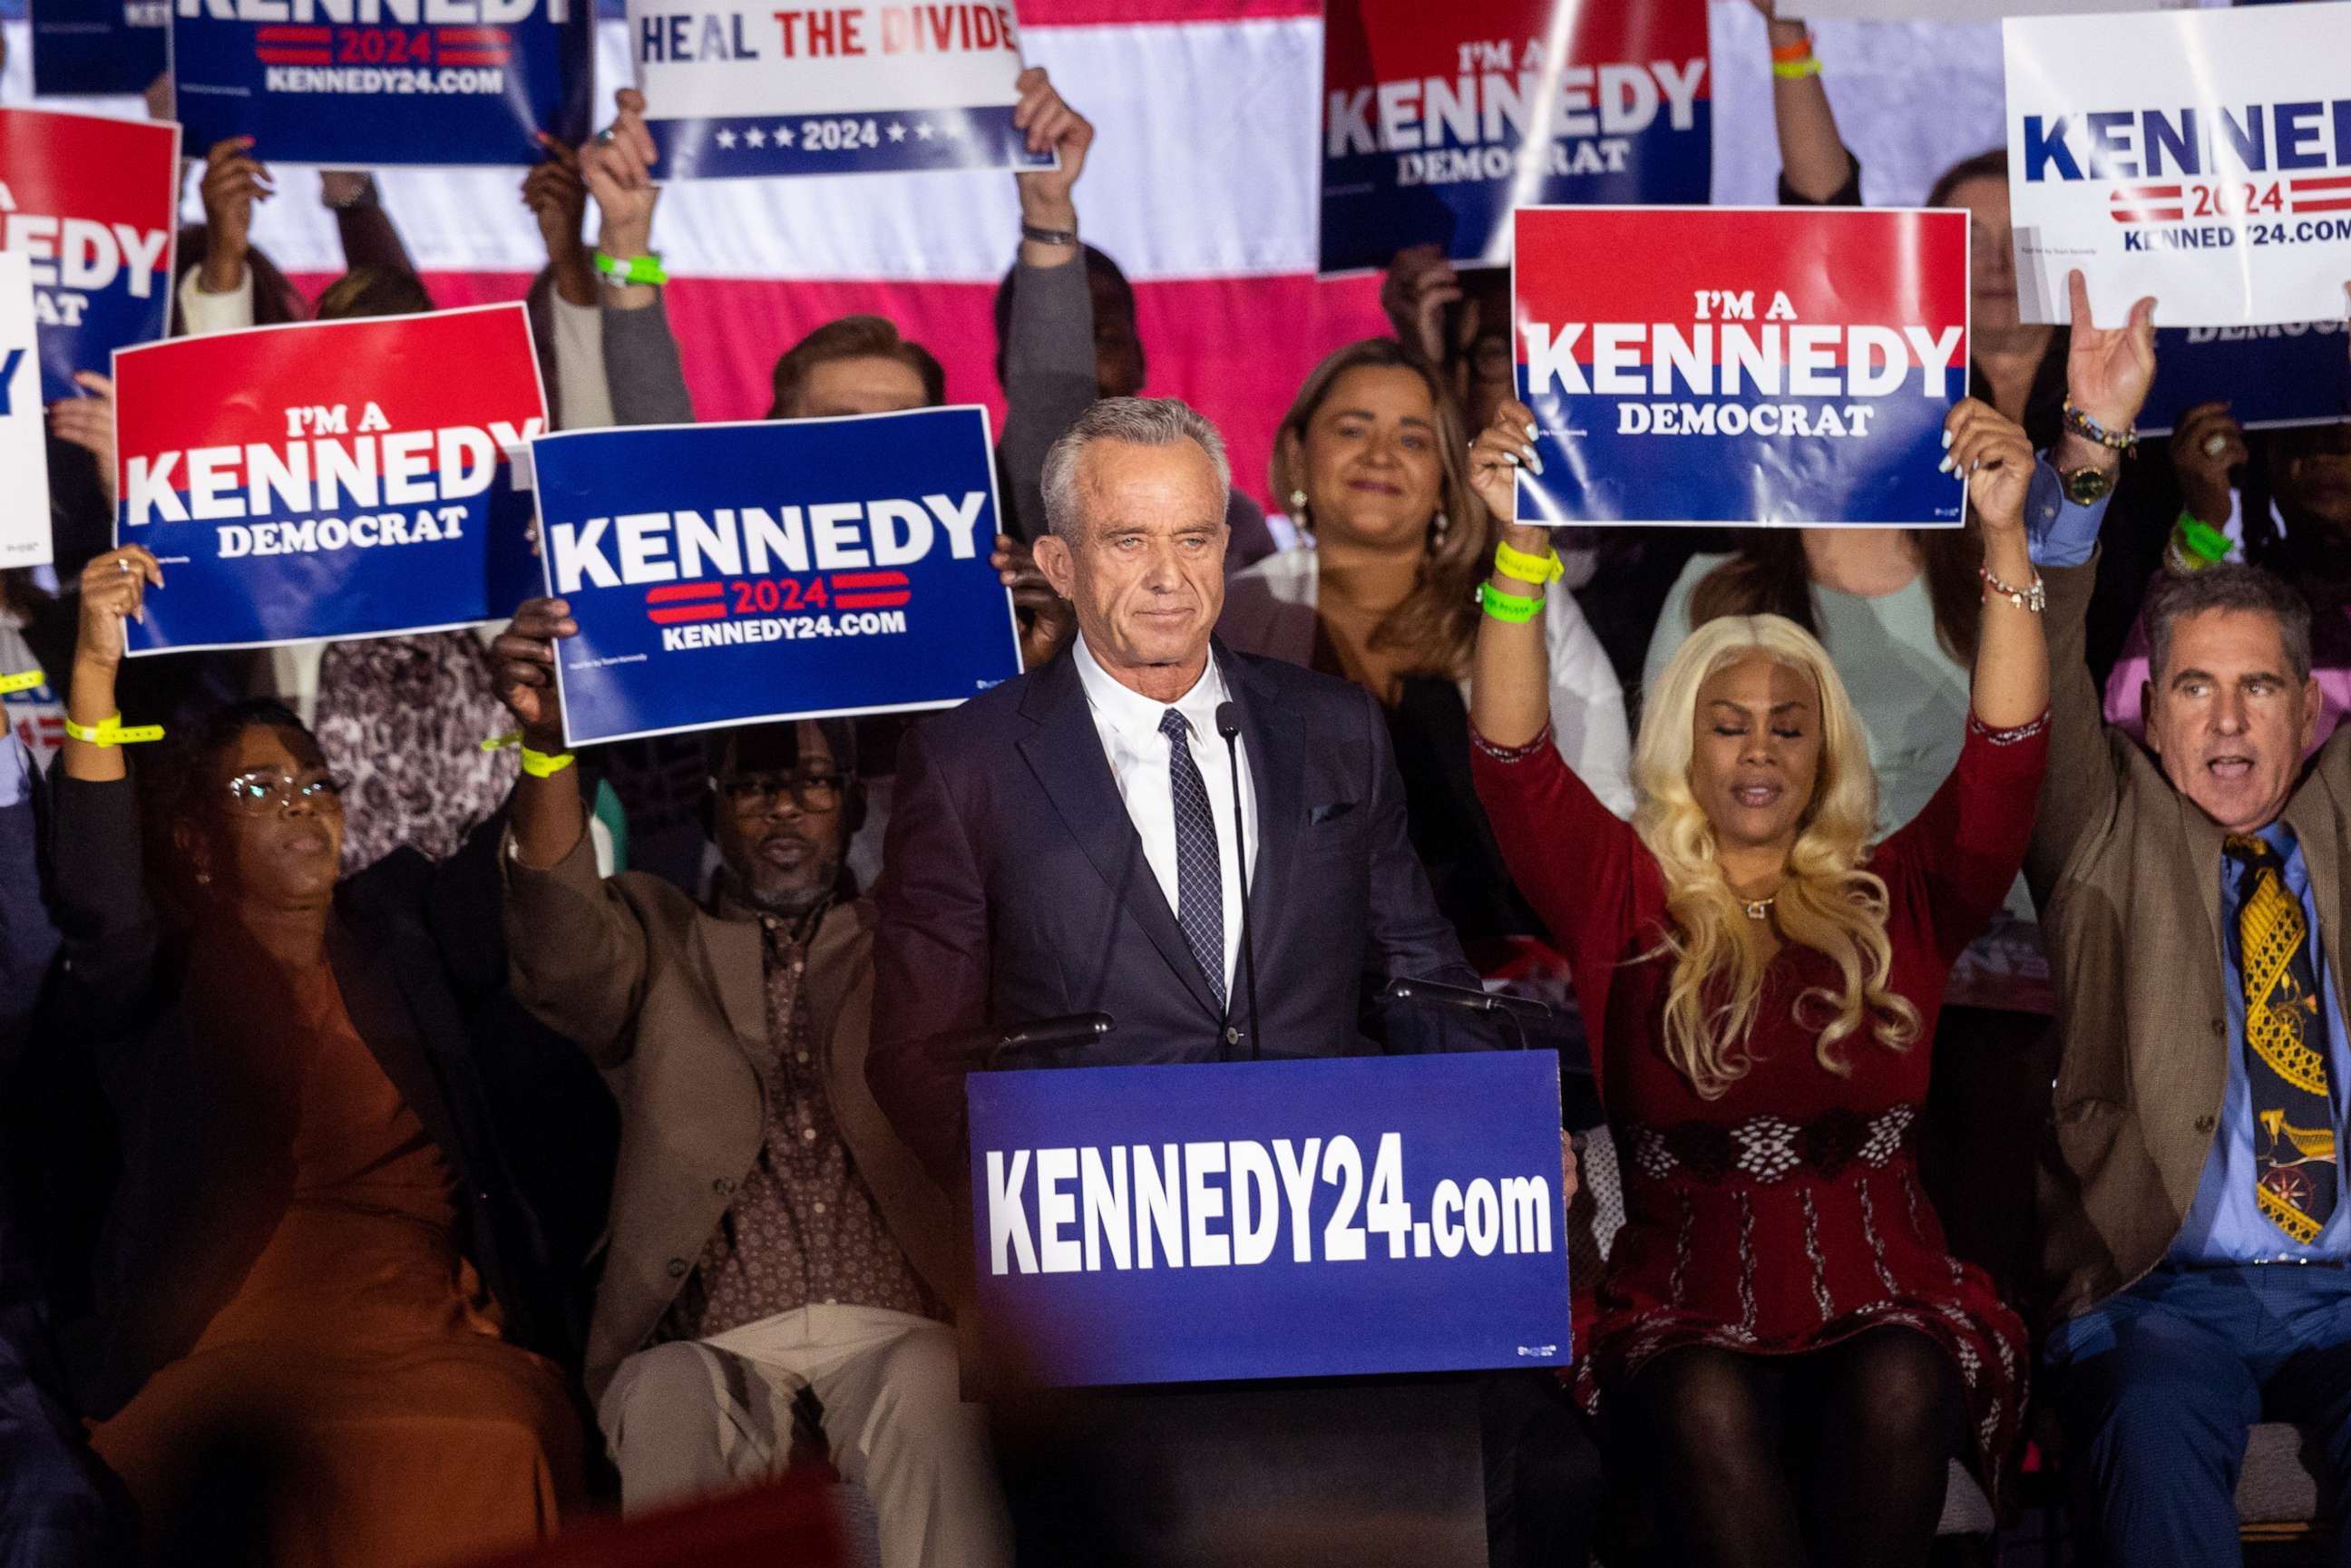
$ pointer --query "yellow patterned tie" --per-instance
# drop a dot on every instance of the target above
(2285, 1048)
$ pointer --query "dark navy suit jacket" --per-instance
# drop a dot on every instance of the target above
(1015, 888)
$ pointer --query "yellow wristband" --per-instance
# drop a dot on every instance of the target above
(1538, 570)
(540, 765)
(24, 681)
(1796, 71)
(112, 733)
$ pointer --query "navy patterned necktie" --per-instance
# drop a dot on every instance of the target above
(1199, 884)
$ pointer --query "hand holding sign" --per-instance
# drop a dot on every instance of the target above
(113, 591)
(1501, 449)
(618, 168)
(234, 180)
(1997, 458)
(1052, 126)
(522, 668)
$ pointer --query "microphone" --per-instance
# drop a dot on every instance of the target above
(1229, 725)
(1069, 1028)
(1519, 1012)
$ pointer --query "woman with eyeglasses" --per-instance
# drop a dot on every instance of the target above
(317, 1270)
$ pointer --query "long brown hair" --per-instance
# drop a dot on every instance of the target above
(1769, 576)
(1438, 621)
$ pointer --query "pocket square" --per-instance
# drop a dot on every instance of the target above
(1318, 815)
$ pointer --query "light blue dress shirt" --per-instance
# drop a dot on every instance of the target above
(2056, 531)
(2224, 1225)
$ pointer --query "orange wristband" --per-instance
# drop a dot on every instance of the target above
(1789, 54)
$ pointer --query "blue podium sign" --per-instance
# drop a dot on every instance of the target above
(1226, 1220)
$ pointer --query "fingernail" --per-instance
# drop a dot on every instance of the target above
(1534, 466)
(1945, 465)
(1511, 458)
(1947, 441)
(1533, 434)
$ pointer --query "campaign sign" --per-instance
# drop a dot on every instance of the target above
(1438, 119)
(1972, 10)
(89, 202)
(1314, 1218)
(739, 88)
(728, 574)
(2202, 157)
(2269, 376)
(98, 47)
(329, 478)
(24, 435)
(359, 84)
(1740, 365)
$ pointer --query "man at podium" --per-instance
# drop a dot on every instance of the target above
(1210, 848)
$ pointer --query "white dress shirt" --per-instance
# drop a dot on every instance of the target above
(1128, 723)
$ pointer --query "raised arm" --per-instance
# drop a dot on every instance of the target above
(1048, 339)
(642, 368)
(557, 195)
(575, 946)
(2011, 686)
(369, 236)
(1815, 167)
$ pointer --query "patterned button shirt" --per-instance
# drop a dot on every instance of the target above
(803, 1229)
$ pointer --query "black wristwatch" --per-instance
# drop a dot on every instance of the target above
(2087, 487)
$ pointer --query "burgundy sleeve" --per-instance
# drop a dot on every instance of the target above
(1963, 851)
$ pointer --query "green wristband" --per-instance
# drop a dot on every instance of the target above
(644, 268)
(2202, 539)
(1510, 609)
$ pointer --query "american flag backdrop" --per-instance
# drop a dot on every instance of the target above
(1202, 184)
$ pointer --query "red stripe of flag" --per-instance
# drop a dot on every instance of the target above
(688, 612)
(677, 591)
(2145, 193)
(2338, 205)
(294, 36)
(2331, 182)
(869, 579)
(2148, 214)
(474, 57)
(871, 600)
(473, 35)
(268, 57)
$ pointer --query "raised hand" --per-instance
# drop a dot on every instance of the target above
(88, 422)
(1998, 459)
(522, 670)
(2207, 442)
(234, 180)
(1421, 282)
(617, 167)
(1500, 449)
(1051, 125)
(2109, 369)
(557, 197)
(113, 591)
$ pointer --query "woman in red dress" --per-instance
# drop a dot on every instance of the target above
(1781, 1328)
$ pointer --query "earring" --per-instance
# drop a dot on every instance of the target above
(1437, 531)
(204, 879)
(1297, 500)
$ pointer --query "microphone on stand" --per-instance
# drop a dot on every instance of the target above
(1229, 725)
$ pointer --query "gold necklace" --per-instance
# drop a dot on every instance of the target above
(1759, 908)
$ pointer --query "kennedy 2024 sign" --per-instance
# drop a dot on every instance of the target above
(89, 203)
(1735, 365)
(330, 478)
(731, 573)
(1247, 1220)
(1438, 120)
(2203, 157)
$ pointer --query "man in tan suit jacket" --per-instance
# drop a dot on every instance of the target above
(2191, 1200)
(772, 1241)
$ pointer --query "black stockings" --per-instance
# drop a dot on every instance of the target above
(1836, 1457)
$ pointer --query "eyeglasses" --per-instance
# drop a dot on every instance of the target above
(811, 791)
(261, 790)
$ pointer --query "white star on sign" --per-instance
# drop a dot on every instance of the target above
(782, 135)
(897, 131)
(923, 131)
(755, 137)
(954, 130)
(726, 138)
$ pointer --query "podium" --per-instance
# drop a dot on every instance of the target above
(1242, 1312)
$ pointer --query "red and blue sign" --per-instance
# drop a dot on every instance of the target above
(1740, 365)
(1437, 121)
(330, 478)
(1251, 1220)
(455, 82)
(98, 47)
(90, 203)
(725, 574)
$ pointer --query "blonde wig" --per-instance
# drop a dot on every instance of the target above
(1829, 903)
(1437, 625)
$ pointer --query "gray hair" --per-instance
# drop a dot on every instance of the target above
(2228, 587)
(1138, 421)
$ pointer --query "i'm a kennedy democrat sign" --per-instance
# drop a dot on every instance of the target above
(1732, 365)
(1438, 119)
(372, 83)
(330, 478)
(745, 87)
(1315, 1218)
(101, 47)
(90, 203)
(2203, 157)
(726, 573)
